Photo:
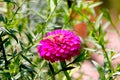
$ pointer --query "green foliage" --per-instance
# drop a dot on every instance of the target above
(82, 56)
(24, 23)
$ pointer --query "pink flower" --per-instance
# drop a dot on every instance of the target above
(59, 45)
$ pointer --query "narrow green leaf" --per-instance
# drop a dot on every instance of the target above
(116, 74)
(107, 15)
(21, 45)
(100, 70)
(7, 0)
(55, 2)
(12, 30)
(81, 57)
(51, 68)
(26, 58)
(68, 68)
(5, 40)
(11, 33)
(1, 61)
(17, 76)
(3, 31)
(28, 68)
(118, 67)
(98, 21)
(15, 52)
(29, 38)
(90, 49)
(52, 6)
(1, 18)
(95, 4)
(8, 32)
(14, 36)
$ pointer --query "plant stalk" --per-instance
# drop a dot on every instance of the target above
(106, 55)
(4, 54)
(52, 71)
(63, 65)
(109, 62)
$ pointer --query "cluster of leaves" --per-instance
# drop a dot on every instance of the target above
(24, 22)
(22, 25)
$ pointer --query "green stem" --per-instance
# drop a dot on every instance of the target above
(53, 77)
(52, 71)
(4, 54)
(106, 55)
(28, 17)
(5, 58)
(63, 65)
(109, 63)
